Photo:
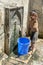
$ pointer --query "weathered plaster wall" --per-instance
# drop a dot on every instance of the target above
(15, 3)
(19, 3)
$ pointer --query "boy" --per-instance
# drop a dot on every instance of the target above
(33, 28)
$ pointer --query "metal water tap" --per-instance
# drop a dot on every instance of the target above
(20, 32)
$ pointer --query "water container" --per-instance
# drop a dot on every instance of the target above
(23, 45)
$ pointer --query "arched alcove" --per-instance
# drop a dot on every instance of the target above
(13, 23)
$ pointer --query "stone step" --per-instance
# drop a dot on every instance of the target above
(10, 61)
(3, 56)
(5, 62)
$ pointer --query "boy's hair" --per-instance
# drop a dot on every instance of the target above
(33, 12)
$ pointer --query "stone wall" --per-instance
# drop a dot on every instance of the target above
(28, 6)
(16, 3)
(19, 3)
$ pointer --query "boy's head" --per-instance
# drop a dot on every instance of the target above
(33, 15)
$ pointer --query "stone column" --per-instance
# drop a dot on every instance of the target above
(26, 9)
(1, 28)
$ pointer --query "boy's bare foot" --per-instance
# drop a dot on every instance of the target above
(30, 52)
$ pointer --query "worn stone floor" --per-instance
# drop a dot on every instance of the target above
(37, 58)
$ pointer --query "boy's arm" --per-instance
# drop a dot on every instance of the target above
(28, 28)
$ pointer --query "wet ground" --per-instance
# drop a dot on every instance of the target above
(37, 58)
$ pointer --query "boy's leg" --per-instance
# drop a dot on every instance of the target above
(32, 46)
(34, 37)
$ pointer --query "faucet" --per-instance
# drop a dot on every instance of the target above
(20, 32)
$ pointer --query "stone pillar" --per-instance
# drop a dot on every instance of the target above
(1, 28)
(26, 10)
